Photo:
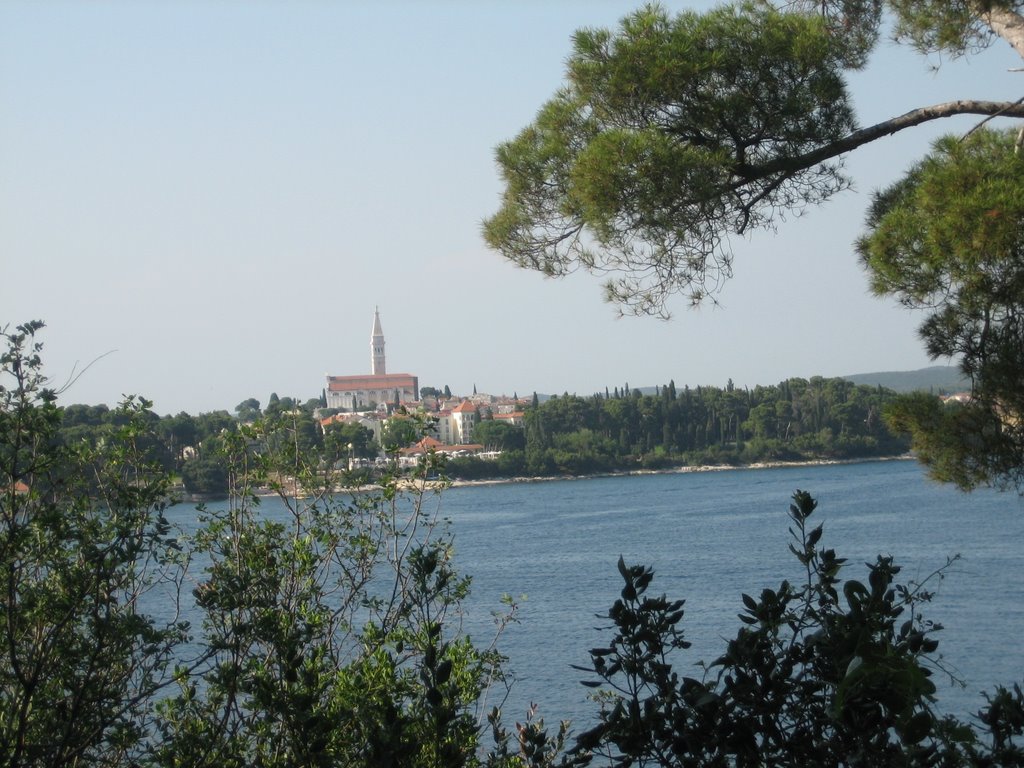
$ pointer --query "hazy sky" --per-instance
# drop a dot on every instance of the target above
(220, 193)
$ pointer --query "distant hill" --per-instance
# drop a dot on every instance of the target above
(940, 379)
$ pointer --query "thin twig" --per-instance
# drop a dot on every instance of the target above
(993, 117)
(74, 377)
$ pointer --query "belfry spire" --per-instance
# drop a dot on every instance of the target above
(377, 367)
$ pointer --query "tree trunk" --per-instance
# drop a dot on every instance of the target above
(1007, 24)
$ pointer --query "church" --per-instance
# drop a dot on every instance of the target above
(360, 393)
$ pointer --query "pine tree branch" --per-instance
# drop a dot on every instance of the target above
(789, 165)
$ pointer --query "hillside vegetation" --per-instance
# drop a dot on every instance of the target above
(795, 420)
(937, 379)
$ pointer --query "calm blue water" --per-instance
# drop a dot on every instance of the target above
(711, 536)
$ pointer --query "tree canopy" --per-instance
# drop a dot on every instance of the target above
(946, 240)
(673, 135)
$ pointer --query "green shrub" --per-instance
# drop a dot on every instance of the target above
(822, 672)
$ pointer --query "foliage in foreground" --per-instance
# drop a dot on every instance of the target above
(332, 636)
(326, 638)
(83, 544)
(822, 672)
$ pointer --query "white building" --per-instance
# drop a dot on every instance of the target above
(464, 419)
(455, 425)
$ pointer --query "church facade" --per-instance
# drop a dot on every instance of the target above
(357, 393)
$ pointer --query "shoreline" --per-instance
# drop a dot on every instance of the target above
(682, 470)
(262, 492)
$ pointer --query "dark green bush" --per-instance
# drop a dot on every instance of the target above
(823, 672)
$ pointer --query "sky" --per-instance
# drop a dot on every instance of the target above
(205, 202)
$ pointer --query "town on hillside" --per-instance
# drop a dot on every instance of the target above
(384, 404)
(365, 421)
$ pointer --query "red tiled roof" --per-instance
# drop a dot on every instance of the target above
(426, 444)
(464, 407)
(345, 418)
(430, 444)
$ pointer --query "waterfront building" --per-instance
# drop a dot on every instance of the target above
(454, 424)
(464, 419)
(411, 455)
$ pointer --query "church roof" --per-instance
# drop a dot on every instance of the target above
(380, 381)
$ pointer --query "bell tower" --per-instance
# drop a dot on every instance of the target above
(377, 367)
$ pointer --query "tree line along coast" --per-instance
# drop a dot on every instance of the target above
(816, 419)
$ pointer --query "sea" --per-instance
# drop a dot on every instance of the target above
(712, 536)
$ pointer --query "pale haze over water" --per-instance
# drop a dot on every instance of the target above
(222, 192)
